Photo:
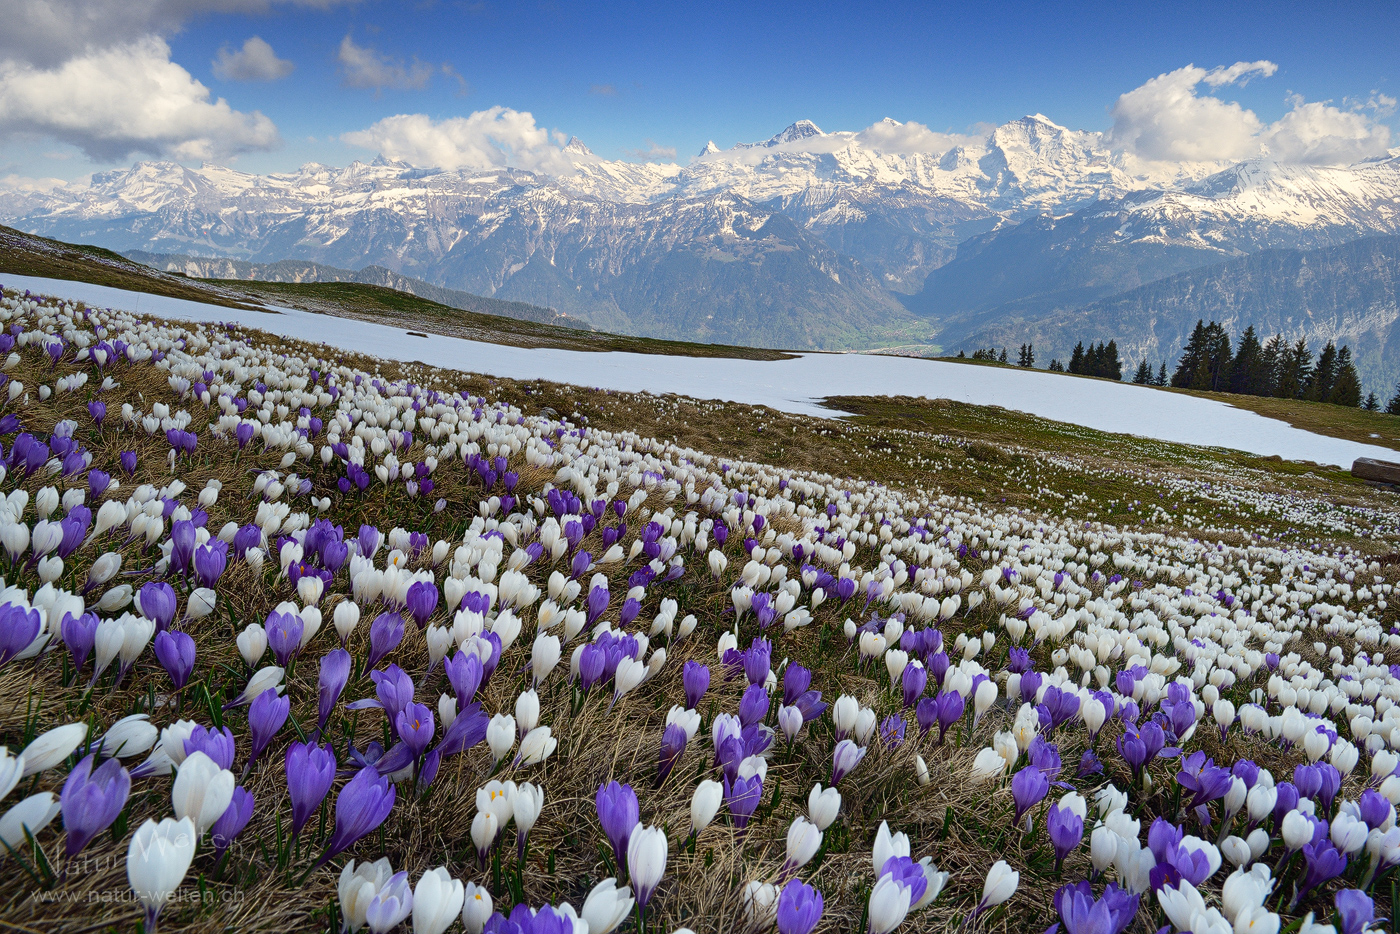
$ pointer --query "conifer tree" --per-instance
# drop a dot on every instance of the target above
(1109, 365)
(1191, 356)
(1245, 369)
(1393, 406)
(1092, 356)
(1324, 375)
(1076, 359)
(1161, 379)
(1270, 361)
(1143, 376)
(1294, 371)
(1346, 388)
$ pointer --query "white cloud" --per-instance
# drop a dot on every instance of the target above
(1239, 73)
(362, 67)
(48, 32)
(254, 62)
(494, 138)
(892, 136)
(1167, 120)
(33, 185)
(1315, 132)
(124, 100)
(654, 152)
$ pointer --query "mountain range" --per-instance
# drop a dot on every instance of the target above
(805, 240)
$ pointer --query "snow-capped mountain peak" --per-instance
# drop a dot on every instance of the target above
(802, 129)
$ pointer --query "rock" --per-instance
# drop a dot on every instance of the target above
(1366, 468)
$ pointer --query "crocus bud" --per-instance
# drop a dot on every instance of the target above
(51, 748)
(704, 804)
(437, 900)
(157, 860)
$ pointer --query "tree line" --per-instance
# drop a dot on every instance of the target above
(1211, 361)
(1271, 368)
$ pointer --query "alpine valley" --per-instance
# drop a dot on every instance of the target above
(813, 240)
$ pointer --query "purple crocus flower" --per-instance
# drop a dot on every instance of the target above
(673, 742)
(1325, 862)
(284, 635)
(1163, 838)
(98, 481)
(753, 707)
(1028, 788)
(597, 603)
(1375, 808)
(1331, 784)
(18, 628)
(743, 795)
(231, 823)
(182, 540)
(592, 665)
(926, 712)
(468, 729)
(368, 541)
(215, 743)
(1056, 707)
(1286, 799)
(1139, 746)
(1030, 686)
(248, 536)
(414, 725)
(1066, 830)
(913, 681)
(796, 681)
(464, 672)
(421, 600)
(394, 691)
(175, 652)
(1193, 864)
(128, 462)
(844, 758)
(950, 710)
(1355, 910)
(696, 678)
(310, 773)
(758, 661)
(1082, 915)
(266, 715)
(619, 815)
(335, 672)
(908, 874)
(91, 800)
(799, 908)
(210, 560)
(385, 634)
(360, 808)
(98, 410)
(892, 731)
(79, 634)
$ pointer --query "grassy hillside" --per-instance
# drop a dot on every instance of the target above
(29, 255)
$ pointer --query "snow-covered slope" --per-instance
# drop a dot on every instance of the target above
(797, 384)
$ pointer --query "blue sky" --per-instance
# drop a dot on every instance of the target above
(628, 78)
